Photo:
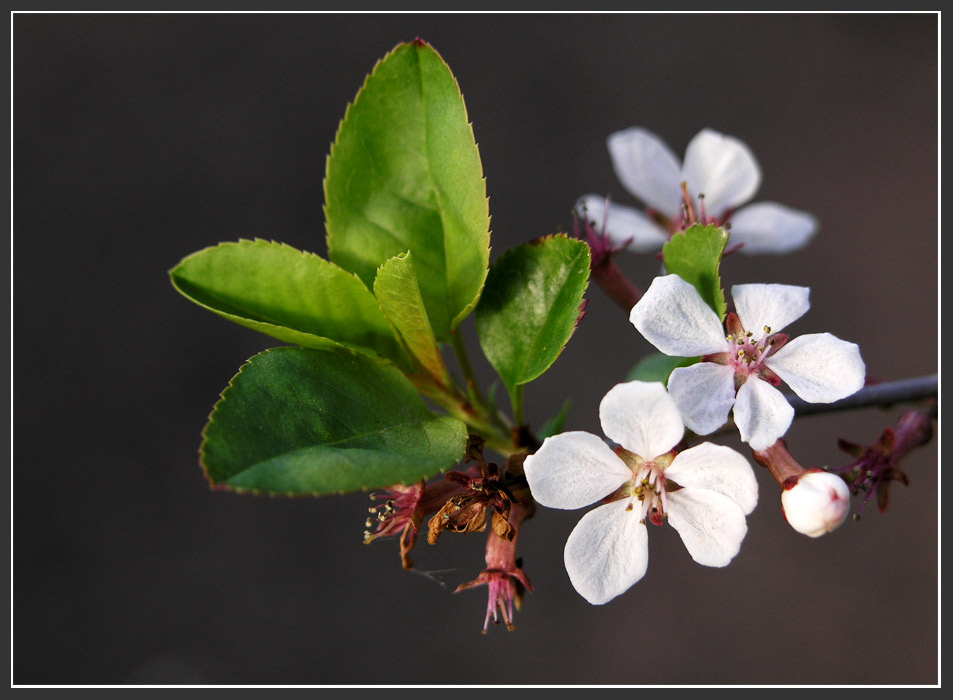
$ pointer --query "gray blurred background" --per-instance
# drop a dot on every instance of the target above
(139, 139)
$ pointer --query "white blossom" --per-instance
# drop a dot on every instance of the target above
(744, 361)
(720, 174)
(705, 492)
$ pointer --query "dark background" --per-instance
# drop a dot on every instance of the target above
(139, 139)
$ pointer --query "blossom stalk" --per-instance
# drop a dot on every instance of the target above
(604, 271)
(783, 467)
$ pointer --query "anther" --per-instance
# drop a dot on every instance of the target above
(369, 523)
(767, 329)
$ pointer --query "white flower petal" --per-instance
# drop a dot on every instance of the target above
(766, 227)
(723, 169)
(704, 394)
(675, 319)
(624, 226)
(716, 468)
(769, 305)
(647, 168)
(641, 417)
(608, 551)
(711, 525)
(574, 469)
(762, 414)
(819, 367)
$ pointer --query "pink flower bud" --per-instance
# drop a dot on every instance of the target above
(816, 503)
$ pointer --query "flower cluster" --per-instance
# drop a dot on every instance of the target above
(719, 170)
(361, 395)
(733, 366)
(704, 491)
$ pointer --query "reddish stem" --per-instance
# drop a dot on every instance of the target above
(783, 467)
(616, 285)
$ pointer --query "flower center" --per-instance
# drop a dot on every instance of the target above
(692, 213)
(649, 489)
(746, 354)
(648, 485)
(688, 216)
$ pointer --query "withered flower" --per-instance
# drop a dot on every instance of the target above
(875, 467)
(503, 576)
(467, 511)
(403, 511)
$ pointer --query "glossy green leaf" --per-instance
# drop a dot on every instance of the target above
(297, 421)
(657, 367)
(531, 304)
(288, 294)
(398, 293)
(404, 174)
(695, 256)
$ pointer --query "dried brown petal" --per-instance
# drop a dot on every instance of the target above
(502, 527)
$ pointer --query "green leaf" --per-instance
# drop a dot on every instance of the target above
(657, 367)
(404, 174)
(398, 293)
(288, 294)
(297, 421)
(555, 424)
(531, 304)
(695, 256)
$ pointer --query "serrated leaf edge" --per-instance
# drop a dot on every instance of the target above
(223, 396)
(419, 44)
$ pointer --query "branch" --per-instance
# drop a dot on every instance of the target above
(882, 394)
